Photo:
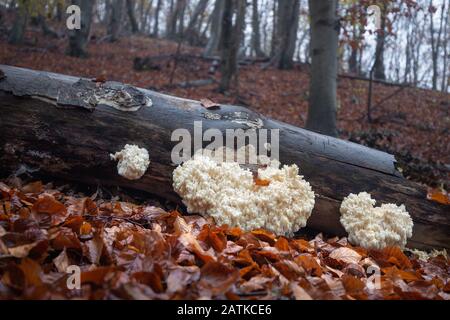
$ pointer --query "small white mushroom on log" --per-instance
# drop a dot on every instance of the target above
(133, 161)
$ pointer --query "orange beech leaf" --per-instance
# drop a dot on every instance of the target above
(33, 187)
(89, 207)
(234, 233)
(265, 255)
(48, 204)
(282, 244)
(217, 240)
(244, 258)
(393, 272)
(74, 223)
(151, 279)
(301, 245)
(32, 271)
(66, 239)
(346, 255)
(249, 271)
(352, 285)
(85, 228)
(261, 182)
(265, 236)
(438, 195)
(299, 293)
(309, 263)
(396, 256)
(289, 269)
(97, 275)
(217, 278)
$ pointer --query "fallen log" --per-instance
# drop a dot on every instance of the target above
(66, 127)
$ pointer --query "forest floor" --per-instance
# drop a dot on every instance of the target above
(413, 124)
(129, 251)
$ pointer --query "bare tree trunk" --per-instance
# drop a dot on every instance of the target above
(353, 59)
(274, 40)
(231, 39)
(213, 44)
(132, 16)
(192, 33)
(324, 45)
(182, 12)
(156, 24)
(436, 44)
(174, 24)
(17, 32)
(229, 54)
(379, 50)
(78, 39)
(444, 83)
(287, 26)
(59, 11)
(115, 22)
(256, 33)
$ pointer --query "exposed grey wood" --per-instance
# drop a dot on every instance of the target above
(61, 126)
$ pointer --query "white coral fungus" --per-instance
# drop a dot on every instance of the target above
(375, 227)
(133, 161)
(229, 194)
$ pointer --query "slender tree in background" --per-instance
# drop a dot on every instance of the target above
(356, 47)
(192, 33)
(379, 70)
(230, 40)
(212, 47)
(175, 20)
(17, 32)
(274, 39)
(287, 26)
(256, 33)
(78, 39)
(132, 16)
(116, 17)
(436, 42)
(324, 65)
(445, 77)
(156, 18)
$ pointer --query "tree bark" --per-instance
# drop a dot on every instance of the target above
(78, 39)
(156, 24)
(192, 33)
(132, 16)
(212, 47)
(379, 71)
(256, 33)
(53, 125)
(230, 40)
(17, 32)
(228, 64)
(324, 45)
(115, 22)
(174, 23)
(287, 26)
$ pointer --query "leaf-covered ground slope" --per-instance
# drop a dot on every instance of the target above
(131, 251)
